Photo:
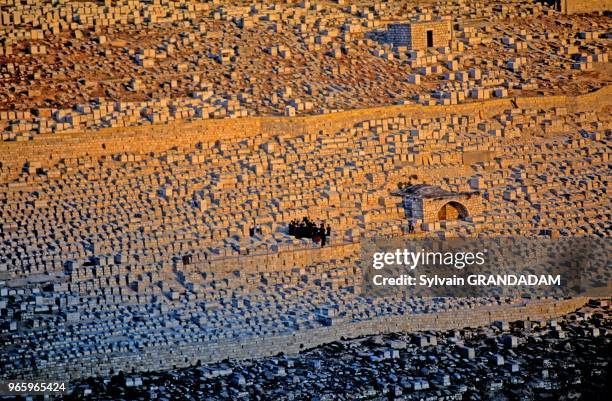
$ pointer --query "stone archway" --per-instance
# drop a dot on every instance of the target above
(452, 211)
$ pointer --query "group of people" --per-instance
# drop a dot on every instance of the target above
(307, 228)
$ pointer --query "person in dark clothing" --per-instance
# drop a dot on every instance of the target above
(328, 230)
(316, 234)
(323, 234)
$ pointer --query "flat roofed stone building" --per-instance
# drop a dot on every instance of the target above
(420, 35)
(430, 204)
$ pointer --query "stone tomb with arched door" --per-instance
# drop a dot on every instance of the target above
(430, 204)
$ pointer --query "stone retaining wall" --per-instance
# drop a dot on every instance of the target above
(178, 356)
(47, 149)
(585, 6)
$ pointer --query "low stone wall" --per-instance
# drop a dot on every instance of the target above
(178, 356)
(47, 149)
(585, 6)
